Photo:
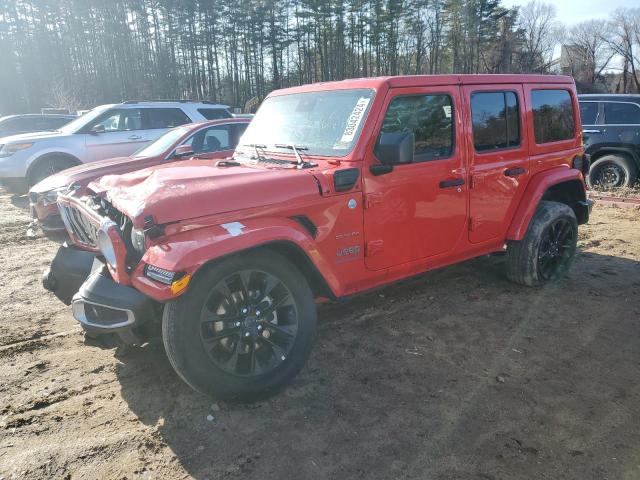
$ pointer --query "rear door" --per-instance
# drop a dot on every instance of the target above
(621, 124)
(499, 160)
(417, 210)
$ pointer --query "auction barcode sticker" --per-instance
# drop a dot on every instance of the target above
(354, 120)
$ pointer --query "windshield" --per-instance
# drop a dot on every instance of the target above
(80, 122)
(326, 123)
(160, 145)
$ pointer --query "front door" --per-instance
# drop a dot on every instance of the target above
(417, 210)
(499, 158)
(117, 133)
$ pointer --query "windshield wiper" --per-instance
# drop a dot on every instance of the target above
(296, 150)
(256, 148)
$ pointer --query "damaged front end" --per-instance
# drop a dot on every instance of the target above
(83, 276)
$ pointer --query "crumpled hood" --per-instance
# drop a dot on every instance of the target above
(197, 188)
(83, 174)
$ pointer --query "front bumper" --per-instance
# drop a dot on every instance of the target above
(15, 166)
(101, 306)
(104, 307)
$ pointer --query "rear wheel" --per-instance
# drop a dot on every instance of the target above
(612, 171)
(243, 329)
(49, 166)
(547, 249)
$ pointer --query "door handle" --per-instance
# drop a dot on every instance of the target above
(456, 182)
(514, 172)
(591, 131)
(135, 137)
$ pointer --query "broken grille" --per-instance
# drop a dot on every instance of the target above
(85, 231)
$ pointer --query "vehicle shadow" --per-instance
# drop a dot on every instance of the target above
(456, 373)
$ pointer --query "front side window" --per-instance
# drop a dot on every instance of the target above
(552, 115)
(119, 120)
(326, 123)
(212, 139)
(496, 120)
(164, 118)
(621, 113)
(589, 112)
(162, 143)
(429, 118)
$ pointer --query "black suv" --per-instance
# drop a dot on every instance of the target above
(611, 127)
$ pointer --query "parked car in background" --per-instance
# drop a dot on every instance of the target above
(213, 140)
(107, 131)
(611, 128)
(335, 188)
(16, 124)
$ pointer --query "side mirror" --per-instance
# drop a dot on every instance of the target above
(395, 148)
(183, 151)
(97, 129)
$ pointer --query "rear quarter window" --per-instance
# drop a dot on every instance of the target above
(214, 113)
(552, 115)
(621, 113)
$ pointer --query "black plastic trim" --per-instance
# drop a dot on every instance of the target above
(345, 179)
(307, 224)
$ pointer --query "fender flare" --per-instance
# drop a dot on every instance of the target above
(600, 151)
(190, 251)
(534, 192)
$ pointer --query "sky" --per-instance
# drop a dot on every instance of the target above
(575, 11)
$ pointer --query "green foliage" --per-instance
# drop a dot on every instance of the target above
(80, 53)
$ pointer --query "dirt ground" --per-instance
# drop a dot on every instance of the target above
(456, 374)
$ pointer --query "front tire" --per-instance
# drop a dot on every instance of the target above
(547, 249)
(244, 329)
(48, 166)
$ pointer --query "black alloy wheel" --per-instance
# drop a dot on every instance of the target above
(557, 248)
(249, 323)
(609, 175)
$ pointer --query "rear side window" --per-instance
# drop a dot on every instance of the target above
(20, 124)
(51, 123)
(496, 120)
(429, 118)
(552, 116)
(165, 118)
(621, 113)
(589, 112)
(214, 113)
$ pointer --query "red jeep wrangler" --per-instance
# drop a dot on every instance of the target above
(336, 188)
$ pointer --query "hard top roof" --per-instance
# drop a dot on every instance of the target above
(378, 83)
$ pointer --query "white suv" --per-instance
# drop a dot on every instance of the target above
(104, 132)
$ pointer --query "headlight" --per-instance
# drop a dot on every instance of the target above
(138, 240)
(11, 148)
(51, 196)
(106, 245)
